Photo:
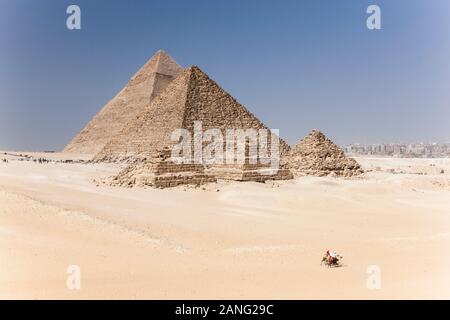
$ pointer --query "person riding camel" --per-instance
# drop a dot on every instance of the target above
(331, 258)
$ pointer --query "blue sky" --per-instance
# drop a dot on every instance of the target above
(297, 65)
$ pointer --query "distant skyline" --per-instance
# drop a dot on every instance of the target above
(296, 65)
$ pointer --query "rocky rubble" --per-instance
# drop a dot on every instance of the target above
(161, 172)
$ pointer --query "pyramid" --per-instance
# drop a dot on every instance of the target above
(142, 88)
(192, 96)
(319, 156)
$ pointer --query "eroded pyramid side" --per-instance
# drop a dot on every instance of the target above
(216, 109)
(142, 88)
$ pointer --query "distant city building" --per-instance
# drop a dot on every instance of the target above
(415, 150)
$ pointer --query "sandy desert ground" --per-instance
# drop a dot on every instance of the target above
(231, 240)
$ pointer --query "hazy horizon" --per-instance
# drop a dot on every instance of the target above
(296, 66)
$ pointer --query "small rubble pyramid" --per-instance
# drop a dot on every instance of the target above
(318, 156)
(191, 97)
(142, 88)
(160, 172)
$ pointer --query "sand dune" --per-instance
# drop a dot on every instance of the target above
(231, 240)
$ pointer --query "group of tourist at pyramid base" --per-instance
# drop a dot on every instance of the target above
(137, 127)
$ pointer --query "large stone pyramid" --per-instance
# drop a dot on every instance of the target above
(192, 96)
(319, 156)
(142, 88)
